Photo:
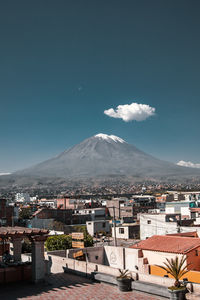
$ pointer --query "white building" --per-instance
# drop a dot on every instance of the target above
(155, 224)
(22, 197)
(181, 207)
(94, 227)
(48, 202)
(126, 231)
(95, 213)
(162, 224)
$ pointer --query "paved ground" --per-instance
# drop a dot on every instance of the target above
(69, 287)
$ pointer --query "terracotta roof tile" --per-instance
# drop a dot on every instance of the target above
(195, 209)
(166, 243)
(185, 234)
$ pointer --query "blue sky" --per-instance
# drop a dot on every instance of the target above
(64, 62)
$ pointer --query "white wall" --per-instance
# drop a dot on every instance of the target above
(169, 210)
(158, 258)
(97, 226)
(185, 211)
(131, 259)
(119, 235)
(157, 225)
(114, 256)
(59, 262)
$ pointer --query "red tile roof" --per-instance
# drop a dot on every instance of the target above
(195, 209)
(185, 234)
(170, 244)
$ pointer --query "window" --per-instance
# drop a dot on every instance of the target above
(121, 230)
(148, 221)
(104, 225)
(197, 253)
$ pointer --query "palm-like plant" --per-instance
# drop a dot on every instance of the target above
(176, 268)
(124, 274)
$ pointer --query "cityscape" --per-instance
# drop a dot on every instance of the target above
(99, 156)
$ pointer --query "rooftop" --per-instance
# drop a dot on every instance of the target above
(170, 244)
(21, 231)
(68, 286)
(195, 209)
(185, 234)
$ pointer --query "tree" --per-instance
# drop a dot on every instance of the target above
(58, 242)
(176, 268)
(63, 242)
(25, 213)
(88, 240)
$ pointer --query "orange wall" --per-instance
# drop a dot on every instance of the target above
(193, 276)
(193, 260)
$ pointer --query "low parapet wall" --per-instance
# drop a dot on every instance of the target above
(59, 263)
(86, 268)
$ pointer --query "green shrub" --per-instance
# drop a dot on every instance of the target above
(58, 242)
(88, 240)
(63, 242)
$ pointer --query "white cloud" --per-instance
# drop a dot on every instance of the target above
(188, 164)
(131, 112)
(1, 174)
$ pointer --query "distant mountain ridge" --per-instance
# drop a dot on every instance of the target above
(105, 156)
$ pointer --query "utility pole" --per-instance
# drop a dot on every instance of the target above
(115, 239)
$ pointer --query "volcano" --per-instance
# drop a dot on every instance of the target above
(106, 156)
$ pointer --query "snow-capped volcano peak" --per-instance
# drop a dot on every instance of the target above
(109, 137)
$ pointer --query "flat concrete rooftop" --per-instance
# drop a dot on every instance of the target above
(71, 287)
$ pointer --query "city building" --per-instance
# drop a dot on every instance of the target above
(47, 202)
(100, 226)
(124, 207)
(22, 197)
(163, 224)
(94, 213)
(126, 231)
(157, 248)
(8, 214)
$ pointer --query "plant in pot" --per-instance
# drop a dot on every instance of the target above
(177, 269)
(124, 280)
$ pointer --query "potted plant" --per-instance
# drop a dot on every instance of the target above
(124, 280)
(176, 269)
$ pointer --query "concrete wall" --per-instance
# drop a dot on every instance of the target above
(57, 264)
(114, 257)
(130, 232)
(119, 235)
(152, 224)
(61, 253)
(157, 258)
(94, 227)
(94, 254)
(42, 223)
(131, 259)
